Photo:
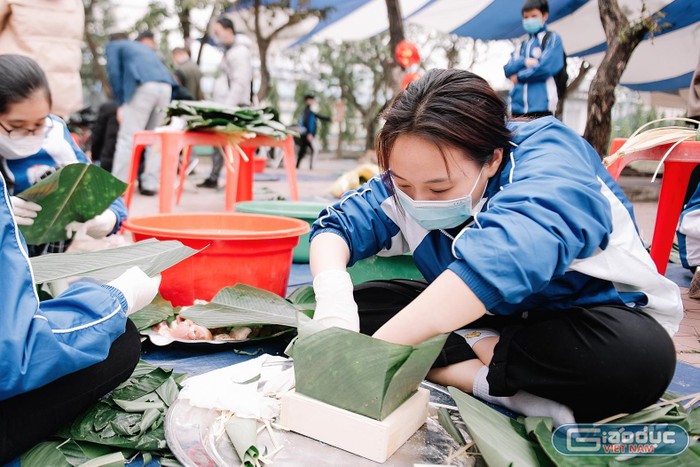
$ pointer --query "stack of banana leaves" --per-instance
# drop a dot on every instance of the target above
(211, 116)
(123, 425)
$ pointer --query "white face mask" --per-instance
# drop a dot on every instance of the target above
(21, 148)
(445, 214)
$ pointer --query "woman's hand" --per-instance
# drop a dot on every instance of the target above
(24, 211)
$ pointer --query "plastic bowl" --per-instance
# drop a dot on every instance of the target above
(306, 211)
(236, 248)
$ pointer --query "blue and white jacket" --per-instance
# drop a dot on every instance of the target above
(58, 150)
(556, 232)
(41, 342)
(689, 232)
(536, 90)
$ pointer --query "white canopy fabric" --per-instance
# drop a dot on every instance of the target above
(664, 62)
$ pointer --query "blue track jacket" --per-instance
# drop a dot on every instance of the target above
(557, 232)
(58, 150)
(41, 342)
(130, 64)
(689, 232)
(535, 90)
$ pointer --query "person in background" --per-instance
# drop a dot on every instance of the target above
(234, 85)
(34, 144)
(142, 87)
(527, 246)
(689, 228)
(51, 33)
(308, 123)
(532, 67)
(187, 73)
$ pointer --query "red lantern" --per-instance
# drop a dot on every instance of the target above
(407, 54)
(408, 78)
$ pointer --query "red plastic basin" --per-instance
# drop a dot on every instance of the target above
(252, 249)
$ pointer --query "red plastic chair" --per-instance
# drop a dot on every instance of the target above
(677, 169)
(239, 173)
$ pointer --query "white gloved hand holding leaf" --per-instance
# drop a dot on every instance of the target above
(335, 304)
(24, 211)
(98, 227)
(138, 289)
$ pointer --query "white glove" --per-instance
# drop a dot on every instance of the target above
(138, 289)
(98, 227)
(335, 304)
(24, 211)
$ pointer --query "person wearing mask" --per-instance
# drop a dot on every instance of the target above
(60, 355)
(233, 87)
(534, 64)
(34, 144)
(187, 73)
(51, 33)
(526, 244)
(142, 88)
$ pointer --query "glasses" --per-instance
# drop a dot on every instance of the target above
(19, 133)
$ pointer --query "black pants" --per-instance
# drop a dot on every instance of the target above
(598, 361)
(29, 418)
(304, 145)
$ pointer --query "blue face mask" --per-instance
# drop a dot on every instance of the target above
(435, 215)
(532, 25)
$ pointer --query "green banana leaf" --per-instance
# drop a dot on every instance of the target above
(501, 441)
(76, 192)
(157, 311)
(46, 454)
(359, 373)
(152, 256)
(213, 116)
(242, 305)
(243, 433)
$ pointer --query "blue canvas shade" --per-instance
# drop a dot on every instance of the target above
(664, 62)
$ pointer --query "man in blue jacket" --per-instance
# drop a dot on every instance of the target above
(141, 87)
(534, 64)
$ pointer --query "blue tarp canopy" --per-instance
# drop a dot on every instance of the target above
(664, 62)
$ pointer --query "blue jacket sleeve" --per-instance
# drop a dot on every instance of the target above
(358, 218)
(550, 62)
(115, 71)
(516, 62)
(118, 205)
(41, 342)
(312, 124)
(551, 214)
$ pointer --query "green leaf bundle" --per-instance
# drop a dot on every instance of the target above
(76, 192)
(359, 373)
(212, 116)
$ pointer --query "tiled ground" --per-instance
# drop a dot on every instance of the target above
(687, 339)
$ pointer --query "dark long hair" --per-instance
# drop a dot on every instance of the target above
(20, 77)
(451, 108)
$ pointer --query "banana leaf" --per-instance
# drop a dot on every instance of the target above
(359, 373)
(242, 305)
(501, 441)
(76, 192)
(46, 454)
(157, 311)
(243, 433)
(304, 299)
(152, 256)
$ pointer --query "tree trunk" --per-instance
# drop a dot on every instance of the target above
(264, 90)
(205, 36)
(396, 35)
(186, 27)
(97, 68)
(622, 38)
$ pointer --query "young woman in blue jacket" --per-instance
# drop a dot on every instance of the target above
(34, 144)
(61, 355)
(529, 249)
